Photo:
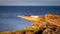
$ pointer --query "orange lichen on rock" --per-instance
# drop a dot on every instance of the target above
(29, 33)
(52, 19)
(29, 18)
(43, 21)
(37, 25)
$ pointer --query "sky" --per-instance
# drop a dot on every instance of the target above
(29, 2)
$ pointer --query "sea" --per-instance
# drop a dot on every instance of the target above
(10, 22)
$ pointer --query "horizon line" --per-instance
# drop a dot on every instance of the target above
(32, 5)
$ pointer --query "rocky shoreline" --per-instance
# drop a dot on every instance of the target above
(49, 24)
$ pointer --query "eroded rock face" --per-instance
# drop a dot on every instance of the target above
(51, 29)
(50, 22)
(53, 19)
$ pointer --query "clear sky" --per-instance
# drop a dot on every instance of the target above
(30, 2)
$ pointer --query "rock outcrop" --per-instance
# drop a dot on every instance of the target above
(53, 19)
(50, 23)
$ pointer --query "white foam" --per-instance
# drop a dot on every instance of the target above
(34, 16)
(19, 16)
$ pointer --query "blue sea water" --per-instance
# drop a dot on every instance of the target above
(9, 20)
